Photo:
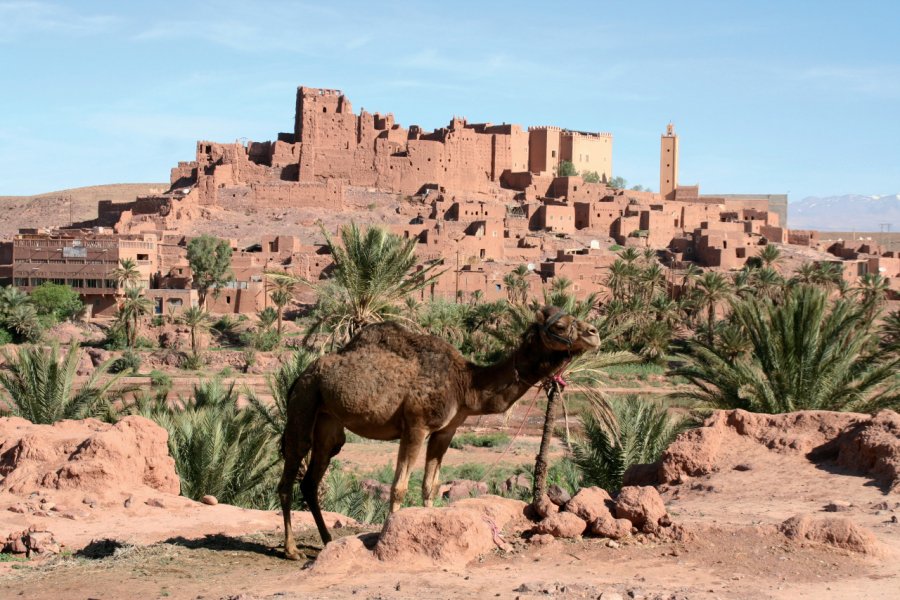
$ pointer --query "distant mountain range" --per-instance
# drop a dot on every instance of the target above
(851, 212)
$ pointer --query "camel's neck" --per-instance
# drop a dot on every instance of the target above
(499, 386)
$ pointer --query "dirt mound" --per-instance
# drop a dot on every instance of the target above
(425, 537)
(88, 456)
(856, 441)
(873, 447)
(839, 532)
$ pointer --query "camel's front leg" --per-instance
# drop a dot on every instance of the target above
(410, 445)
(434, 455)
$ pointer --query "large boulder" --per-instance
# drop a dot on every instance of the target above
(609, 527)
(427, 537)
(590, 503)
(644, 507)
(89, 456)
(562, 525)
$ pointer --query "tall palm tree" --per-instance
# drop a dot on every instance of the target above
(133, 307)
(197, 320)
(40, 385)
(805, 353)
(279, 383)
(890, 333)
(126, 274)
(374, 271)
(712, 289)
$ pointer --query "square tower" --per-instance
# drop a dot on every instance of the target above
(668, 163)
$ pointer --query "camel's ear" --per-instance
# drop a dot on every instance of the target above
(539, 317)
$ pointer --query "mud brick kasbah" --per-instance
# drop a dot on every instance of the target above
(480, 197)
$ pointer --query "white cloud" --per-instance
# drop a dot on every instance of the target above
(24, 19)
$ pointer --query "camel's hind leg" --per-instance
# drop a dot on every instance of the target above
(328, 439)
(295, 445)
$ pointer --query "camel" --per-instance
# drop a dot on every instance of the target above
(390, 383)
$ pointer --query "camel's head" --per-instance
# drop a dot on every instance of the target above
(561, 331)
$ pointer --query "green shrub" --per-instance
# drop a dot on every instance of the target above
(58, 300)
(638, 434)
(129, 362)
(192, 362)
(5, 337)
(160, 379)
(226, 372)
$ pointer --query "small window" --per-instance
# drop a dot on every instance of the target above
(553, 154)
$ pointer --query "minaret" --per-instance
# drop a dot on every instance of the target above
(668, 163)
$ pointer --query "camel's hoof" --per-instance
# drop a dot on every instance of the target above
(292, 555)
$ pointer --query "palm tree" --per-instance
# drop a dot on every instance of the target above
(41, 385)
(23, 320)
(588, 372)
(127, 273)
(133, 307)
(633, 432)
(282, 295)
(218, 448)
(267, 317)
(374, 271)
(890, 333)
(805, 353)
(197, 320)
(871, 290)
(767, 282)
(770, 255)
(712, 289)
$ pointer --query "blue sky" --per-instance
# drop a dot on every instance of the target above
(797, 96)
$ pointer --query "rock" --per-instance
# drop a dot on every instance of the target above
(128, 501)
(541, 539)
(644, 507)
(18, 508)
(610, 596)
(840, 532)
(516, 483)
(543, 508)
(558, 496)
(609, 527)
(838, 506)
(156, 502)
(612, 544)
(562, 525)
(742, 467)
(376, 489)
(462, 488)
(30, 542)
(86, 456)
(209, 500)
(590, 503)
(451, 536)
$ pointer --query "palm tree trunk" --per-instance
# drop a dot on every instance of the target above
(194, 341)
(541, 461)
(279, 321)
(711, 318)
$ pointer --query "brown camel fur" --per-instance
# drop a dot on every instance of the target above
(391, 383)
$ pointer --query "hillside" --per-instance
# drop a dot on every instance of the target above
(845, 213)
(52, 208)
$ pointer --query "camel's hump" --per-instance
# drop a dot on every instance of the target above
(395, 338)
